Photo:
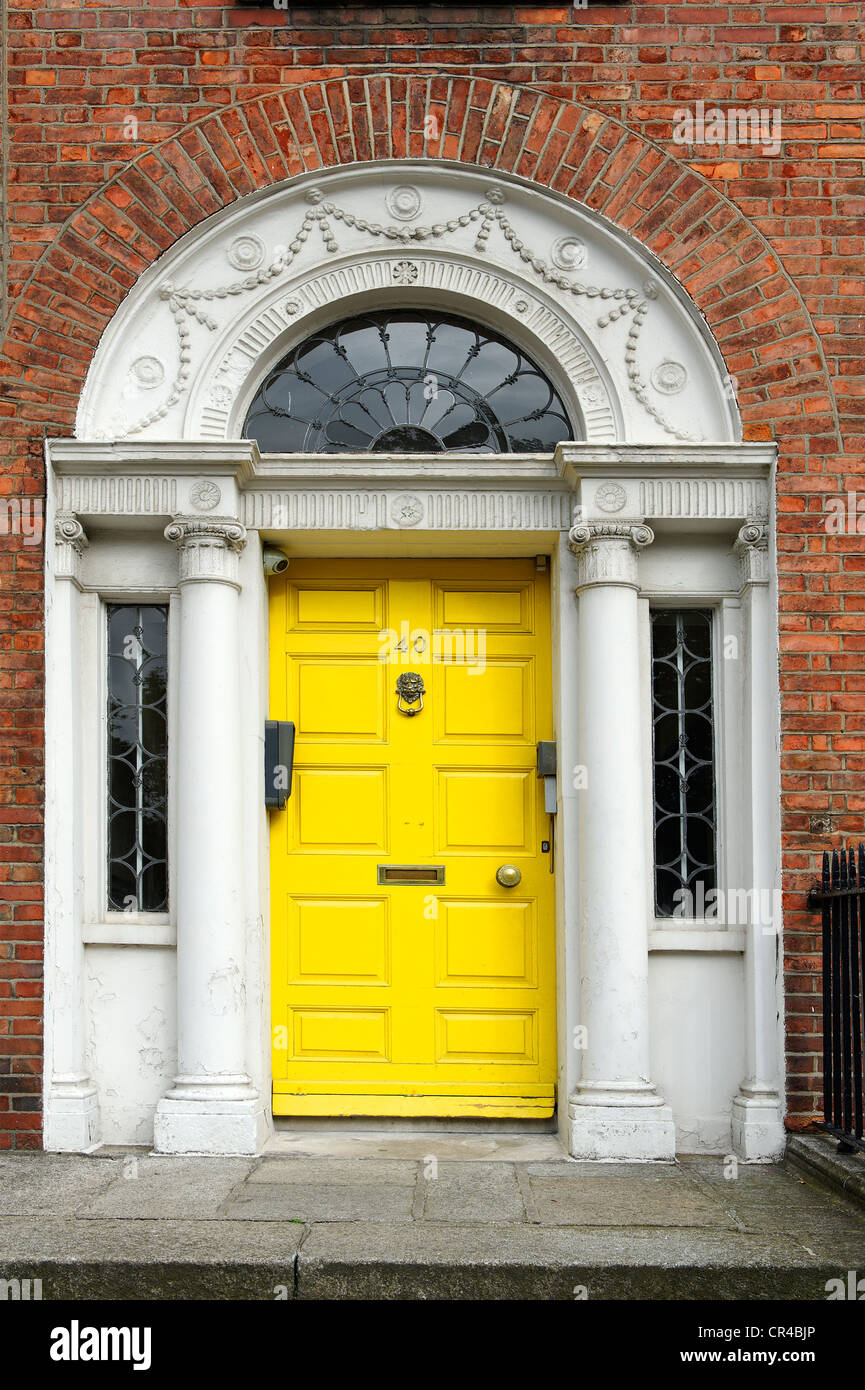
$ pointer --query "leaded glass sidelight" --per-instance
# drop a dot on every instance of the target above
(407, 382)
(137, 747)
(684, 773)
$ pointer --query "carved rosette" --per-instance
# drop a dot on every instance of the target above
(752, 547)
(70, 543)
(208, 548)
(607, 551)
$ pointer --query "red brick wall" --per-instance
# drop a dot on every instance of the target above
(226, 100)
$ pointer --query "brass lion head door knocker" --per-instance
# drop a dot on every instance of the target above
(410, 689)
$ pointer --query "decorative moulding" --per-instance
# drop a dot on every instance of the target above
(186, 351)
(607, 551)
(234, 374)
(752, 547)
(705, 482)
(451, 509)
(404, 202)
(596, 485)
(70, 543)
(207, 547)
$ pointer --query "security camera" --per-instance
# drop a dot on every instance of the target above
(274, 561)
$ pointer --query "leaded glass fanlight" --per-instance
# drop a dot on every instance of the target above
(407, 382)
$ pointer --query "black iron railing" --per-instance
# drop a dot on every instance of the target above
(841, 897)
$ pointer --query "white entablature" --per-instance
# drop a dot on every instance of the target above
(627, 350)
(693, 484)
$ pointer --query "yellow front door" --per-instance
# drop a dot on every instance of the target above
(406, 979)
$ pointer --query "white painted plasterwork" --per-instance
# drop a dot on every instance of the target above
(448, 492)
(184, 354)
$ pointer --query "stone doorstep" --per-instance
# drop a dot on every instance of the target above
(352, 1261)
(817, 1154)
(313, 1228)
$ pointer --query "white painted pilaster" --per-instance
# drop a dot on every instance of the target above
(757, 1115)
(212, 1106)
(71, 1116)
(615, 1111)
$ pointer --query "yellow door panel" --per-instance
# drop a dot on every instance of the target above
(487, 943)
(337, 607)
(340, 809)
(331, 1034)
(492, 703)
(339, 699)
(393, 996)
(482, 810)
(492, 1036)
(338, 940)
(481, 607)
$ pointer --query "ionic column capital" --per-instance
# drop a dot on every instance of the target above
(208, 548)
(607, 551)
(752, 547)
(70, 543)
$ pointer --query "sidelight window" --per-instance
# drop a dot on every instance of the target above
(684, 761)
(137, 749)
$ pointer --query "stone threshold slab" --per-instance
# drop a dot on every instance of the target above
(486, 1148)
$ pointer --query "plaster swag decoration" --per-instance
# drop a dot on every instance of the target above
(188, 303)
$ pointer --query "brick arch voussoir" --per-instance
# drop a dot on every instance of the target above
(730, 271)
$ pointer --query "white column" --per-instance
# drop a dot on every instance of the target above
(212, 1106)
(615, 1111)
(758, 1125)
(72, 1122)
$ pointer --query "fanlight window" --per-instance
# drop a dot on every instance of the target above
(404, 382)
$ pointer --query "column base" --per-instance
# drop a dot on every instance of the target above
(758, 1126)
(71, 1119)
(635, 1133)
(210, 1119)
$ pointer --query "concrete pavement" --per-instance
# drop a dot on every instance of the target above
(435, 1216)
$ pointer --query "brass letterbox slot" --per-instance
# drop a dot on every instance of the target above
(411, 873)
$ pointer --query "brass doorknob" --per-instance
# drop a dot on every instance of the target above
(508, 875)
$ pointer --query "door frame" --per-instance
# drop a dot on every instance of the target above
(109, 507)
